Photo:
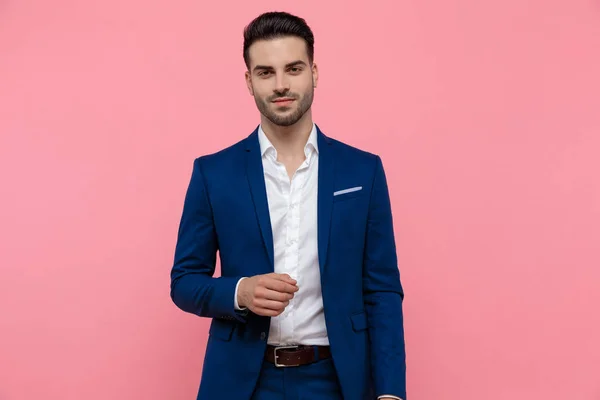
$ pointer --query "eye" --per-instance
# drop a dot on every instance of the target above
(264, 73)
(295, 69)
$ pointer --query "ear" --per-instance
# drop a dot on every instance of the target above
(315, 73)
(248, 79)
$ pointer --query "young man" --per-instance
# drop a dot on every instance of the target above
(309, 302)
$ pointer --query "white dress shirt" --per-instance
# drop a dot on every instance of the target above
(293, 213)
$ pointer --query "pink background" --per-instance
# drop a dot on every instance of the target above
(486, 115)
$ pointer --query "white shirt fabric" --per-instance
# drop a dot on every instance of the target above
(293, 213)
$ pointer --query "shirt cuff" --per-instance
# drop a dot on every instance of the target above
(389, 395)
(235, 297)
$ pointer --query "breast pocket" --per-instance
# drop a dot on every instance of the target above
(348, 193)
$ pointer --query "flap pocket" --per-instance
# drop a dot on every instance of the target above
(221, 329)
(359, 321)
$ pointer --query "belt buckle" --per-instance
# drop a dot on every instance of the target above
(280, 348)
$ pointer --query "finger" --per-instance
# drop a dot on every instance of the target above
(285, 278)
(265, 312)
(273, 277)
(275, 295)
(270, 304)
(280, 286)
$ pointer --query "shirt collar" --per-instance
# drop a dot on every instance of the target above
(266, 145)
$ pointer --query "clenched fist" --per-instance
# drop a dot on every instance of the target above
(268, 294)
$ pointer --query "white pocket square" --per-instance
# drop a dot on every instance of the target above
(349, 190)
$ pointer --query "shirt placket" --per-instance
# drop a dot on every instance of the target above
(292, 250)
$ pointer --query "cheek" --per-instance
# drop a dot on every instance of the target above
(259, 91)
(306, 86)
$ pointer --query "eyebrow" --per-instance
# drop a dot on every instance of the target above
(288, 65)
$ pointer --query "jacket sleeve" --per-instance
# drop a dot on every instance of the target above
(383, 294)
(193, 287)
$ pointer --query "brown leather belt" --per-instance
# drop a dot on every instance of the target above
(293, 356)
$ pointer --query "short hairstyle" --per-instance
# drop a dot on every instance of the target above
(272, 25)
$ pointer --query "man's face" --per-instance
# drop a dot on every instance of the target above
(281, 79)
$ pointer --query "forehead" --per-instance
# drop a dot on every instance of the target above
(277, 52)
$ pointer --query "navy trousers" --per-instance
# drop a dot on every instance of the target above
(316, 381)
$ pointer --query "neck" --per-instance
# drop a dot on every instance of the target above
(290, 140)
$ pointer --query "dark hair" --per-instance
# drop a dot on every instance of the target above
(272, 25)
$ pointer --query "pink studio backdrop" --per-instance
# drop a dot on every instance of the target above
(486, 115)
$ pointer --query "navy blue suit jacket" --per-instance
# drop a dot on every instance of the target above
(226, 211)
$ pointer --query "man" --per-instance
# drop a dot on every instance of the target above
(309, 302)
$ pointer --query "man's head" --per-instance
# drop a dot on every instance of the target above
(281, 75)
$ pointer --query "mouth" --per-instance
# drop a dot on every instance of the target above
(283, 101)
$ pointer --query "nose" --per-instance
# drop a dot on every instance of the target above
(282, 84)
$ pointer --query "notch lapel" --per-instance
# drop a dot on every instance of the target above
(256, 181)
(325, 194)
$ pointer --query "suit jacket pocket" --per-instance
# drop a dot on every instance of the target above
(347, 196)
(359, 321)
(221, 329)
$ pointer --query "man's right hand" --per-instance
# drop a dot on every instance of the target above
(268, 294)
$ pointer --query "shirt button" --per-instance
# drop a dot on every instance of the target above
(263, 336)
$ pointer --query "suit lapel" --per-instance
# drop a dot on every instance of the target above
(256, 180)
(325, 194)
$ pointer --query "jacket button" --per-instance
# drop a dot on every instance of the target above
(263, 336)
